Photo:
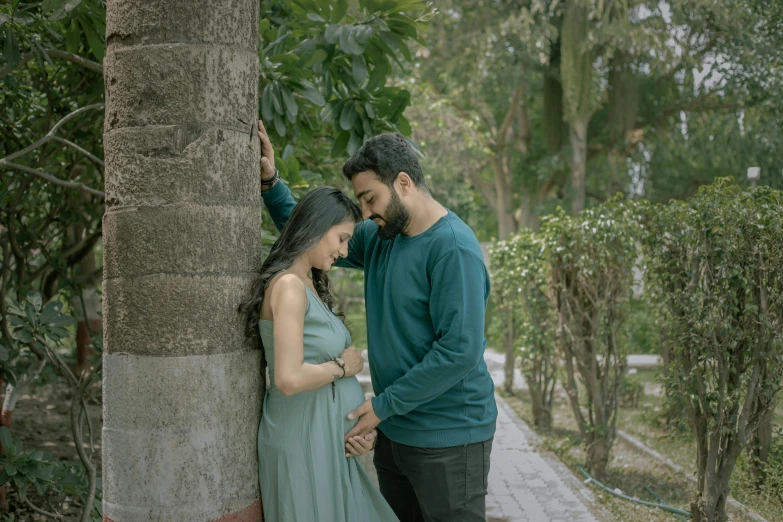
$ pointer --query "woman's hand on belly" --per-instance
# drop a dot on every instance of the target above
(359, 446)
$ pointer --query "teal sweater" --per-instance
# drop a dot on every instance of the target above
(426, 296)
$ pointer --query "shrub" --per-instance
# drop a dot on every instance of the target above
(717, 264)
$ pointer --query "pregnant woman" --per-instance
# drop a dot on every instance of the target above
(306, 471)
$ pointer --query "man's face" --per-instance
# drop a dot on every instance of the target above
(380, 203)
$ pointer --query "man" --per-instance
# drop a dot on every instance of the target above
(426, 290)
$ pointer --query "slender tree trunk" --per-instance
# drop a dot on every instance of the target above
(578, 136)
(760, 446)
(182, 385)
(537, 387)
(506, 225)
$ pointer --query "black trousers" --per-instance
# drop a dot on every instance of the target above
(434, 484)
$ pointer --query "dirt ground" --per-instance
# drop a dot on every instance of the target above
(42, 420)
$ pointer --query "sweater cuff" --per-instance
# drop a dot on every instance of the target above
(276, 194)
(381, 407)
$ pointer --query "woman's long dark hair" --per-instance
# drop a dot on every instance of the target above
(317, 212)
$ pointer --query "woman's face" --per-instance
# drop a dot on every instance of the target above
(332, 246)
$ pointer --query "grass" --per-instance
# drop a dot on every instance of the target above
(629, 471)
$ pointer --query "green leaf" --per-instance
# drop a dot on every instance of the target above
(404, 126)
(332, 33)
(49, 6)
(263, 25)
(369, 109)
(331, 111)
(10, 469)
(70, 5)
(354, 143)
(359, 69)
(95, 42)
(319, 55)
(288, 151)
(3, 353)
(406, 52)
(42, 52)
(267, 112)
(348, 42)
(339, 8)
(312, 95)
(280, 125)
(5, 437)
(366, 127)
(57, 334)
(293, 173)
(284, 58)
(3, 477)
(288, 100)
(15, 320)
(34, 298)
(62, 321)
(11, 50)
(339, 145)
(315, 17)
(364, 34)
(327, 81)
(50, 312)
(277, 98)
(379, 75)
(22, 335)
(398, 105)
(348, 116)
(30, 313)
(291, 108)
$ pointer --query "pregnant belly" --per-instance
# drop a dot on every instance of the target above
(349, 396)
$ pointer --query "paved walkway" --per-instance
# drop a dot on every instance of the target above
(524, 485)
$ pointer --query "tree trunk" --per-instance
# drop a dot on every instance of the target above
(555, 130)
(182, 385)
(542, 413)
(506, 225)
(598, 455)
(760, 446)
(578, 136)
(527, 214)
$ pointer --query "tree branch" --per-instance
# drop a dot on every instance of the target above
(55, 53)
(52, 179)
(50, 135)
(95, 159)
(40, 511)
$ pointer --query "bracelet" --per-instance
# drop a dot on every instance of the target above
(268, 183)
(339, 362)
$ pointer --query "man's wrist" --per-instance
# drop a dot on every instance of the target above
(267, 184)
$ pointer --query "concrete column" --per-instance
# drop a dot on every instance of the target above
(182, 385)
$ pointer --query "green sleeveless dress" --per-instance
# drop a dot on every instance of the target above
(302, 468)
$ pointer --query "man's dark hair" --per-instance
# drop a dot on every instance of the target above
(387, 155)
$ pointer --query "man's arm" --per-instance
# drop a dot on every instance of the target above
(457, 308)
(280, 203)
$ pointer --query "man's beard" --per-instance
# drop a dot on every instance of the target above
(397, 217)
